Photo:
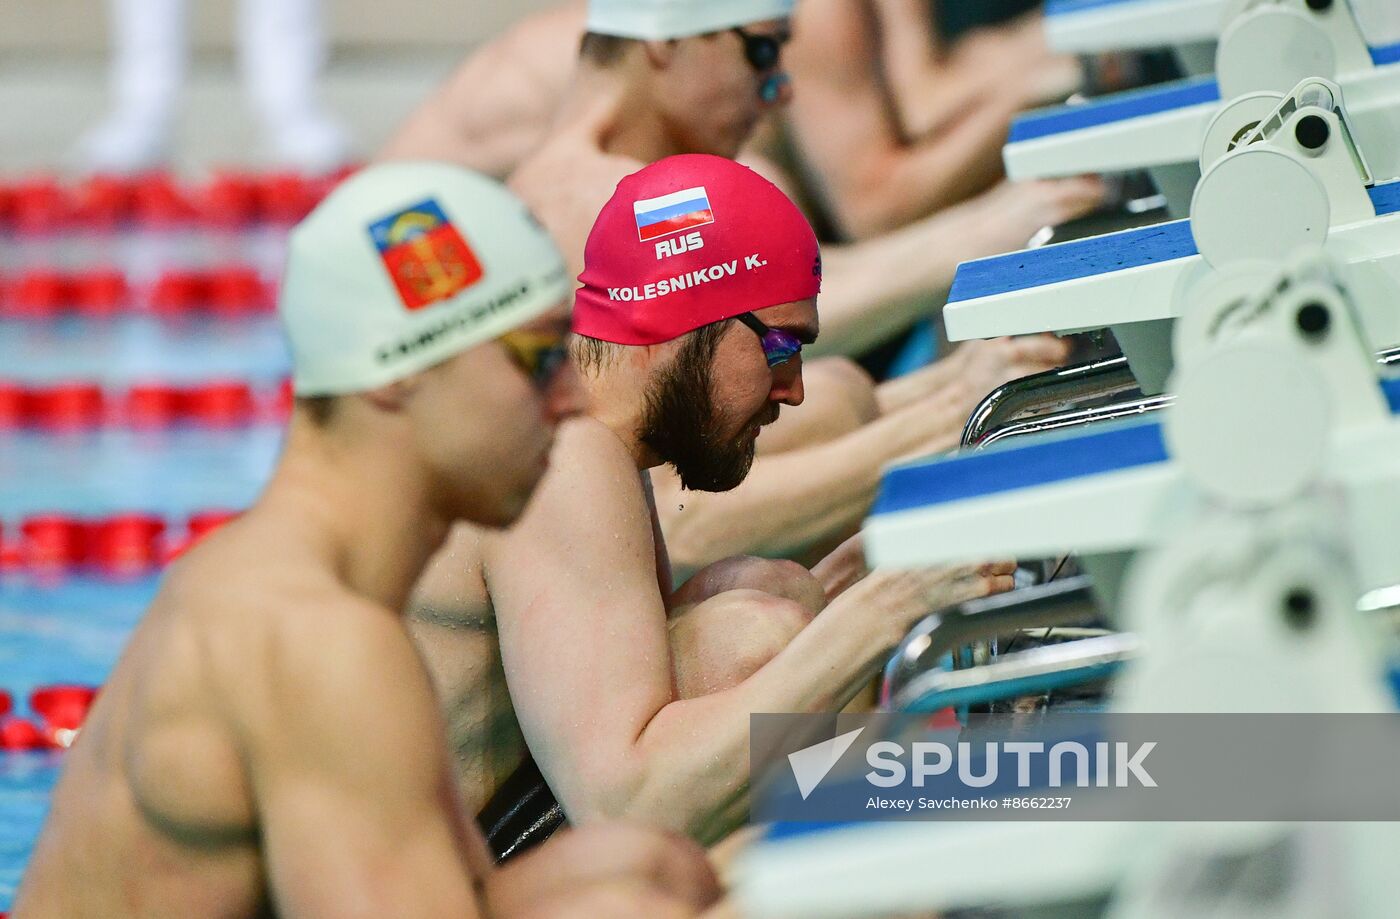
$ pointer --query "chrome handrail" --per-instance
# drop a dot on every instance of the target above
(1032, 672)
(1051, 391)
(1073, 419)
(1067, 602)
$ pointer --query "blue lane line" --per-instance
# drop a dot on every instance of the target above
(1003, 274)
(1138, 103)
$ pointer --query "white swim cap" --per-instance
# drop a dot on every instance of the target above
(655, 20)
(405, 265)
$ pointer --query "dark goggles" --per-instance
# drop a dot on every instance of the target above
(539, 354)
(761, 51)
(779, 347)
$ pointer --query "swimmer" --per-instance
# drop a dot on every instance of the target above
(495, 108)
(647, 87)
(895, 125)
(637, 99)
(886, 125)
(269, 742)
(633, 695)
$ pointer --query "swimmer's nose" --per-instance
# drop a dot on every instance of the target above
(787, 382)
(564, 397)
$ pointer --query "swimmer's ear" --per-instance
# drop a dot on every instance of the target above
(659, 54)
(391, 397)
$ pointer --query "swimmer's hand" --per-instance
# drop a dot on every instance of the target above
(605, 870)
(1005, 218)
(1017, 61)
(982, 366)
(902, 597)
(978, 368)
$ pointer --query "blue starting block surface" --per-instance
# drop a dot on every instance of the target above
(792, 829)
(1391, 389)
(1043, 460)
(1138, 103)
(1066, 7)
(1385, 54)
(996, 470)
(1164, 242)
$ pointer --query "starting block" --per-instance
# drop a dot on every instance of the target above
(1295, 182)
(1099, 26)
(1269, 488)
(1266, 48)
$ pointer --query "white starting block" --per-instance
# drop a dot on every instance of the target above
(1258, 511)
(1267, 47)
(1296, 181)
(1098, 26)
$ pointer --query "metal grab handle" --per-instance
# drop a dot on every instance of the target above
(1028, 405)
(1037, 671)
(1067, 602)
(1052, 390)
(1079, 418)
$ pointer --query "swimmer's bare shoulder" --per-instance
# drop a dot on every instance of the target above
(566, 183)
(592, 490)
(348, 761)
(269, 742)
(495, 108)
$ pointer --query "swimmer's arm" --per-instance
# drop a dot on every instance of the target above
(843, 113)
(910, 43)
(440, 130)
(587, 655)
(794, 500)
(874, 289)
(348, 772)
(927, 90)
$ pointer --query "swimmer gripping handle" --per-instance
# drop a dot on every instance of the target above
(1059, 603)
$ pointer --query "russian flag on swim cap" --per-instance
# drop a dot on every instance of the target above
(681, 210)
(686, 242)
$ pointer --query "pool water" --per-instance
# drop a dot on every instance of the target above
(71, 632)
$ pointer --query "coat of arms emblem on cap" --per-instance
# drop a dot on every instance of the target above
(426, 257)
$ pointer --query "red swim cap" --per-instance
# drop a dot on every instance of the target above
(688, 241)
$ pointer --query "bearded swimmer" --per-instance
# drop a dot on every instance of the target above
(674, 76)
(633, 696)
(269, 743)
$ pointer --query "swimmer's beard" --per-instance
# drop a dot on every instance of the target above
(680, 427)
